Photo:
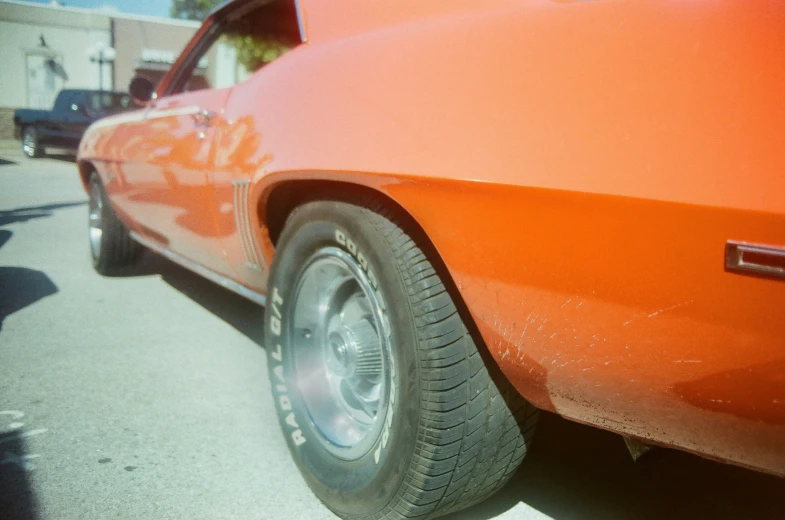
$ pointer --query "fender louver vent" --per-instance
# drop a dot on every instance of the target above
(243, 220)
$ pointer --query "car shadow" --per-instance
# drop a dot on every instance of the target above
(5, 162)
(576, 472)
(5, 236)
(69, 157)
(17, 500)
(24, 214)
(242, 314)
(21, 287)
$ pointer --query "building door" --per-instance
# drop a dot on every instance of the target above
(43, 81)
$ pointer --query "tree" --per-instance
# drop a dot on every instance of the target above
(193, 9)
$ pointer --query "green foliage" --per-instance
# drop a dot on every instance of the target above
(193, 9)
(254, 52)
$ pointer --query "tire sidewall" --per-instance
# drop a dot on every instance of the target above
(36, 148)
(366, 485)
(95, 180)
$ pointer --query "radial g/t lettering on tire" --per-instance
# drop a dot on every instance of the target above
(387, 405)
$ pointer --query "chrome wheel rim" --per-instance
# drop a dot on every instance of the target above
(341, 349)
(95, 229)
(28, 142)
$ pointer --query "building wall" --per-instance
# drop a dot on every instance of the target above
(67, 35)
(33, 74)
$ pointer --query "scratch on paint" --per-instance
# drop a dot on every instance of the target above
(682, 304)
(565, 303)
(688, 361)
(552, 335)
(577, 306)
(506, 353)
(627, 322)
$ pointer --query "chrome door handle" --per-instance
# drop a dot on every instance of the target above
(203, 117)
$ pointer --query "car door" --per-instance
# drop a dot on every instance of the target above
(265, 32)
(165, 170)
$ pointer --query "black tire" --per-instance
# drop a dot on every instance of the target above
(457, 429)
(30, 144)
(112, 249)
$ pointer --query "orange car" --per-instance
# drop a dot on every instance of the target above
(460, 212)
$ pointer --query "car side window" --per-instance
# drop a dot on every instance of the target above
(241, 44)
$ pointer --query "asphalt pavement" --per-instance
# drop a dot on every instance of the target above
(146, 397)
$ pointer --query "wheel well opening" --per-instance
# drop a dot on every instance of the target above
(283, 199)
(86, 169)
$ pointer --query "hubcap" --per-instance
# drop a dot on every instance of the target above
(341, 352)
(95, 230)
(28, 142)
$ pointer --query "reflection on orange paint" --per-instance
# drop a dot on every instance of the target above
(579, 167)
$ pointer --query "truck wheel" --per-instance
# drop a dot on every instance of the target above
(387, 405)
(30, 145)
(110, 243)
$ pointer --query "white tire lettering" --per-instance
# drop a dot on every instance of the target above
(277, 300)
(283, 400)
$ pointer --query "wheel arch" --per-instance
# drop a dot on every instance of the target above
(280, 199)
(86, 169)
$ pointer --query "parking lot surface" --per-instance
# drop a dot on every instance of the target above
(146, 397)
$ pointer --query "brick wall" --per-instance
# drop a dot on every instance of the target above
(6, 123)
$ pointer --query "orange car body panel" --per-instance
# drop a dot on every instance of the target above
(579, 167)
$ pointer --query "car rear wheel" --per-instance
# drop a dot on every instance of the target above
(388, 407)
(111, 246)
(30, 145)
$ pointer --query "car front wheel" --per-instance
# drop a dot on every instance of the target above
(388, 406)
(111, 246)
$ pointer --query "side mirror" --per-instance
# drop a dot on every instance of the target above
(141, 90)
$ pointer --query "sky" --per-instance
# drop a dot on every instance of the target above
(148, 7)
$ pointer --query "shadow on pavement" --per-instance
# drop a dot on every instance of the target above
(33, 212)
(17, 501)
(244, 315)
(4, 162)
(5, 236)
(575, 472)
(62, 156)
(21, 287)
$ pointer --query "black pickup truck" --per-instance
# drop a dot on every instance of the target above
(62, 127)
